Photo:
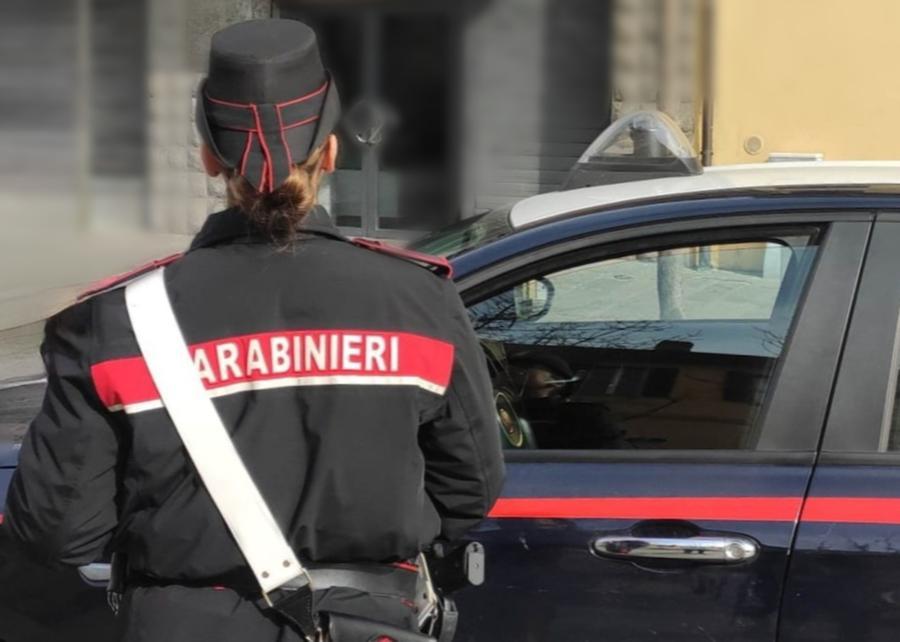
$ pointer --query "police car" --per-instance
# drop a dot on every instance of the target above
(695, 377)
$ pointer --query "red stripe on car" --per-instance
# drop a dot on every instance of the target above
(849, 510)
(861, 510)
(750, 509)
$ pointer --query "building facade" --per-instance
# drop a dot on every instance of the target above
(477, 102)
(453, 108)
(814, 78)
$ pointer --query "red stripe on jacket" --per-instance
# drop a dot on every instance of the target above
(341, 356)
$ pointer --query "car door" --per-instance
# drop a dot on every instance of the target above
(844, 581)
(661, 393)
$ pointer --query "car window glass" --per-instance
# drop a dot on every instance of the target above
(672, 348)
(617, 290)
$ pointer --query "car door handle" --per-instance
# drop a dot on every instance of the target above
(717, 549)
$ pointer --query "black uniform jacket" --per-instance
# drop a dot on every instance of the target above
(352, 382)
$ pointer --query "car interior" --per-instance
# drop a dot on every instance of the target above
(667, 349)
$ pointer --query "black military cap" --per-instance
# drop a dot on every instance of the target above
(268, 101)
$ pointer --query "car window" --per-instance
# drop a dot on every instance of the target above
(670, 348)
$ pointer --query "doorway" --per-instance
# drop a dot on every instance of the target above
(396, 67)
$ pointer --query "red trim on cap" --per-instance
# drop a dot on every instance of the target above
(228, 103)
(311, 94)
(293, 101)
(300, 123)
(741, 509)
(267, 169)
(246, 153)
(233, 128)
(287, 149)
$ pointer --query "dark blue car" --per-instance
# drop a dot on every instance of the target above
(695, 379)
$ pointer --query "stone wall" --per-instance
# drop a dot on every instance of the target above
(536, 89)
(515, 144)
(180, 193)
(40, 154)
(657, 59)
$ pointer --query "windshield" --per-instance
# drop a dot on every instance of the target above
(466, 234)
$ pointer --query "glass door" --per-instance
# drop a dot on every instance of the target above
(395, 65)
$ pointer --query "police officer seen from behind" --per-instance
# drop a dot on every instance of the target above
(347, 375)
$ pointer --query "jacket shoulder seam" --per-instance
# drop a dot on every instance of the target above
(437, 265)
(118, 280)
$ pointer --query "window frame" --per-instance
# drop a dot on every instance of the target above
(821, 317)
(866, 383)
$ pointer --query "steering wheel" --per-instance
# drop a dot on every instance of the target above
(516, 432)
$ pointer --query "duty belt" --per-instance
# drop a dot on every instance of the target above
(366, 578)
(389, 579)
(295, 604)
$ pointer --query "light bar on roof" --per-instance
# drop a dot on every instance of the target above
(645, 144)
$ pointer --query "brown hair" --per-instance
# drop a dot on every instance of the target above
(279, 212)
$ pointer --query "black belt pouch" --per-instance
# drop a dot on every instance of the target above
(348, 628)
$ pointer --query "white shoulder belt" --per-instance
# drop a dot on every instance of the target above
(207, 441)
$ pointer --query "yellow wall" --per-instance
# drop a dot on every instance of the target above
(806, 76)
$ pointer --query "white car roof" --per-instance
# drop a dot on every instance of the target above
(713, 179)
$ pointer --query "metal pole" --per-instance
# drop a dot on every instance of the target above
(83, 113)
(668, 266)
(370, 161)
(707, 24)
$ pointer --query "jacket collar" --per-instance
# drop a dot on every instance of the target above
(232, 226)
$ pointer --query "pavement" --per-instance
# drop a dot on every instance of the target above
(41, 273)
(627, 290)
